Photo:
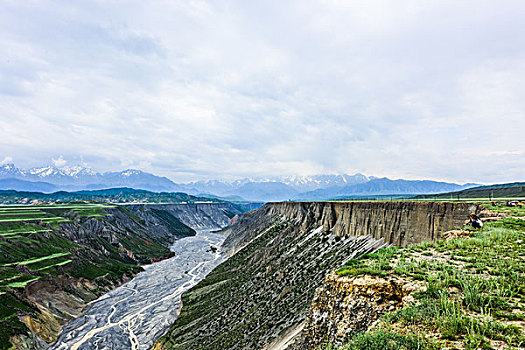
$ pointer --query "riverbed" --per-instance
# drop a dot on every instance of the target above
(137, 313)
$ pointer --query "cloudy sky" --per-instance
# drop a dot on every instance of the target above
(197, 89)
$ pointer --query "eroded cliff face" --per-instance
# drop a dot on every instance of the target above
(345, 306)
(196, 216)
(281, 253)
(397, 223)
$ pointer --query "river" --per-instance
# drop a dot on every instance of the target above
(137, 313)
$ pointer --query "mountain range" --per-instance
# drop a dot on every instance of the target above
(318, 187)
(81, 178)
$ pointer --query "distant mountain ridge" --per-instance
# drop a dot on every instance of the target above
(316, 187)
(82, 178)
(508, 190)
(272, 188)
(384, 186)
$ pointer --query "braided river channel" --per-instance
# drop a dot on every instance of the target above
(136, 314)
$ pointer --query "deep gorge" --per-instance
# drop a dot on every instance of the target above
(104, 248)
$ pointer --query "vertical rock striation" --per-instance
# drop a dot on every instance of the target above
(196, 216)
(397, 223)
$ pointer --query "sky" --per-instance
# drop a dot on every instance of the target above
(197, 89)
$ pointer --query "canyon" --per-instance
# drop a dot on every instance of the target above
(248, 286)
(260, 296)
(101, 247)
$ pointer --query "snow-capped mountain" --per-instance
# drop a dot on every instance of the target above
(79, 178)
(10, 170)
(317, 187)
(289, 185)
(75, 175)
(310, 183)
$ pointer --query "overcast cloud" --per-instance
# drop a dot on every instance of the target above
(221, 89)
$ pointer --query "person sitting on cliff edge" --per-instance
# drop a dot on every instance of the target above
(475, 221)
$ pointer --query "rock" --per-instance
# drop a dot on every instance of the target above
(344, 306)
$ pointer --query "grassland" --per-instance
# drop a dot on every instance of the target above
(474, 296)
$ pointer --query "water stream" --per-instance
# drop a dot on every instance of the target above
(137, 313)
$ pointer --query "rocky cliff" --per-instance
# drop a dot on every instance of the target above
(397, 223)
(280, 254)
(196, 216)
(345, 306)
(82, 256)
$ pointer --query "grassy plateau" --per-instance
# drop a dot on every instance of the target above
(474, 294)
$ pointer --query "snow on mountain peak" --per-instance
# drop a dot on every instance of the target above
(43, 172)
(130, 172)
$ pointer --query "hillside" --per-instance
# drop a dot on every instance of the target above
(508, 190)
(54, 259)
(23, 185)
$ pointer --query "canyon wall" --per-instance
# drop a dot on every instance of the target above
(259, 297)
(194, 215)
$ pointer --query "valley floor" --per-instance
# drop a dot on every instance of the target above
(134, 315)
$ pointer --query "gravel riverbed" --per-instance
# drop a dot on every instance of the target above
(137, 313)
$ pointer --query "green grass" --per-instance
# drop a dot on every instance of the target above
(50, 213)
(475, 287)
(46, 264)
(386, 340)
(35, 259)
(23, 283)
(8, 274)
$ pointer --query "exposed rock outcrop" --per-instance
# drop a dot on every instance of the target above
(397, 223)
(196, 216)
(345, 306)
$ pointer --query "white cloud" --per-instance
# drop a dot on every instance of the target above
(6, 160)
(211, 89)
(59, 162)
